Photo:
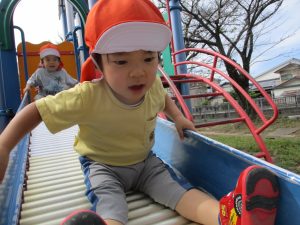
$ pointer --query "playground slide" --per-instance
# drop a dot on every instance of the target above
(54, 186)
(34, 195)
(215, 167)
(52, 192)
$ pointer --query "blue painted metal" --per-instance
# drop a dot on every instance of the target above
(23, 52)
(69, 15)
(63, 17)
(91, 3)
(10, 97)
(77, 51)
(175, 10)
(11, 190)
(5, 116)
(215, 167)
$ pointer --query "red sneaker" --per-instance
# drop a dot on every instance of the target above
(254, 200)
(83, 217)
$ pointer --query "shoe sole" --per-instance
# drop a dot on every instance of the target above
(83, 217)
(262, 194)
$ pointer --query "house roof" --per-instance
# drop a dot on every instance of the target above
(280, 66)
(265, 84)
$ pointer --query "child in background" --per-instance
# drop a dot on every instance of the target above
(116, 116)
(51, 77)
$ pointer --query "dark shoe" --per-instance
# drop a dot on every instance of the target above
(83, 217)
(254, 200)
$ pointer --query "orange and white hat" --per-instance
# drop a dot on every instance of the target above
(124, 26)
(49, 49)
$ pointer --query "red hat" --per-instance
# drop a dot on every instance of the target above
(49, 49)
(124, 26)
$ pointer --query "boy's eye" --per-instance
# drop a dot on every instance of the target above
(120, 62)
(149, 59)
(51, 59)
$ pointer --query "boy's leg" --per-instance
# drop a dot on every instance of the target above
(105, 191)
(254, 200)
(198, 206)
(166, 187)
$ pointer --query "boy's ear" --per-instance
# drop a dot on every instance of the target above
(97, 60)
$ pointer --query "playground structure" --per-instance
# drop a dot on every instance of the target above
(198, 158)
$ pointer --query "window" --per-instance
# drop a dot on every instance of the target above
(286, 76)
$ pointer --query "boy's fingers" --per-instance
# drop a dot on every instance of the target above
(180, 133)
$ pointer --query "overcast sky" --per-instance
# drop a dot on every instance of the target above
(39, 20)
(287, 19)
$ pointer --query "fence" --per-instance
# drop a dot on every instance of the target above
(287, 106)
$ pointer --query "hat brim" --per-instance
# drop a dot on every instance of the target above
(49, 51)
(134, 36)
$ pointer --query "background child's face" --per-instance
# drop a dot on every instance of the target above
(51, 62)
(130, 74)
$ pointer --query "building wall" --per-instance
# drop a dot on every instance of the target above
(289, 88)
(281, 91)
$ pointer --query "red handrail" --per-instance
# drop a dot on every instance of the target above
(266, 122)
(177, 94)
(220, 91)
(244, 117)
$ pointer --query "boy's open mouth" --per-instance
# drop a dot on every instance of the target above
(136, 87)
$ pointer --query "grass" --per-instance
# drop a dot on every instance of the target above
(285, 151)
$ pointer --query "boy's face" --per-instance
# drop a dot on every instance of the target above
(130, 74)
(51, 62)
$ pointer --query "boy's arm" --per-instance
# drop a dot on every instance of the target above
(22, 123)
(70, 81)
(175, 114)
(31, 82)
(27, 88)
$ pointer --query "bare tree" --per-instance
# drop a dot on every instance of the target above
(230, 27)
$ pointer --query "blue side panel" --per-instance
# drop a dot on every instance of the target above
(215, 167)
(11, 189)
(9, 83)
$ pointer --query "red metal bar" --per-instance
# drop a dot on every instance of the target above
(242, 71)
(209, 124)
(184, 107)
(214, 66)
(201, 95)
(185, 78)
(244, 117)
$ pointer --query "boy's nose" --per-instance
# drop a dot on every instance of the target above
(137, 71)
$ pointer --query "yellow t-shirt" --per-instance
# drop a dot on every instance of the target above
(110, 132)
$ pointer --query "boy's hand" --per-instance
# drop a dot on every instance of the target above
(25, 89)
(181, 123)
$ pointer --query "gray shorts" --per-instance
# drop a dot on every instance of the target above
(107, 185)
